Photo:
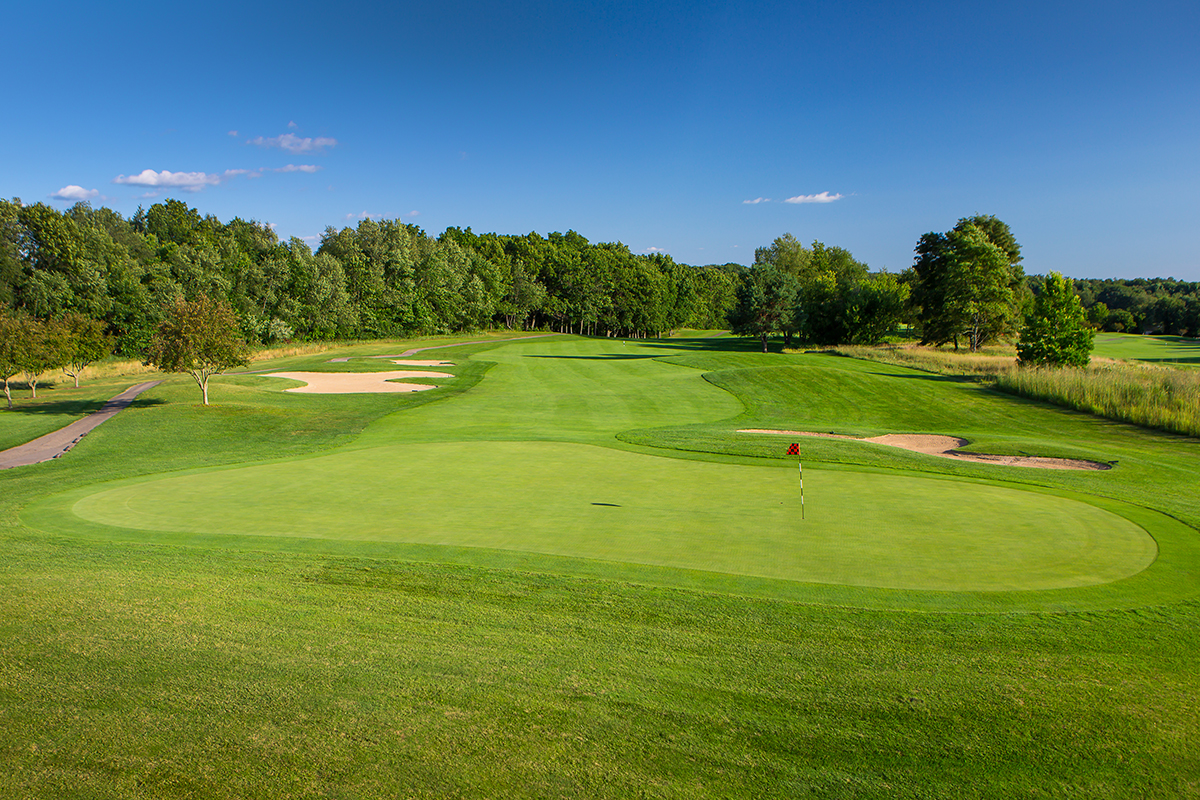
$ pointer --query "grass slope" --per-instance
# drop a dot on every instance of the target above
(1173, 349)
(146, 669)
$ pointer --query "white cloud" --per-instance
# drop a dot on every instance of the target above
(295, 144)
(363, 215)
(233, 133)
(188, 181)
(654, 250)
(73, 192)
(756, 201)
(293, 125)
(823, 197)
(414, 213)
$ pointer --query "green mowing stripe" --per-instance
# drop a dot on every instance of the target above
(869, 539)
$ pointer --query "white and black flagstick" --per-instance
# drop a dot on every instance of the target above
(794, 450)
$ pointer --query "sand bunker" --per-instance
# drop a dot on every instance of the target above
(356, 382)
(947, 447)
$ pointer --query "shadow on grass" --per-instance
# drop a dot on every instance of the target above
(63, 407)
(928, 376)
(602, 357)
(721, 345)
(56, 407)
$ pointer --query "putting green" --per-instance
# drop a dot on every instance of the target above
(862, 529)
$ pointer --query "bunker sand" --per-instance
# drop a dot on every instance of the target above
(356, 382)
(947, 447)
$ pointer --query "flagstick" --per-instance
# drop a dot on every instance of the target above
(800, 464)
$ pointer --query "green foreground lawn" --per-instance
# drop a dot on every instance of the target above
(566, 573)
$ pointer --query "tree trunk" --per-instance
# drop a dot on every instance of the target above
(764, 341)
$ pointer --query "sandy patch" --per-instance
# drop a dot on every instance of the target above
(947, 447)
(356, 382)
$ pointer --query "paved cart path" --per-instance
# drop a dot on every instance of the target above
(54, 444)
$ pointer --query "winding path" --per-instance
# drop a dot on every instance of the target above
(54, 444)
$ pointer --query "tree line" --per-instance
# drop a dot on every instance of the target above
(1142, 305)
(379, 278)
(87, 280)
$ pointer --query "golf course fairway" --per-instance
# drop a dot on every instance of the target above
(528, 461)
(565, 571)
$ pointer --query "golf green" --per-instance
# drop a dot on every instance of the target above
(575, 500)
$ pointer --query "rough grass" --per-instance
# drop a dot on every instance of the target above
(1162, 397)
(986, 363)
(1157, 397)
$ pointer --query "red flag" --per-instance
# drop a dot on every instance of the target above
(794, 449)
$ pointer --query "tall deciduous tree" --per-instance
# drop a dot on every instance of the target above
(13, 333)
(84, 343)
(967, 282)
(43, 348)
(1057, 332)
(199, 337)
(766, 303)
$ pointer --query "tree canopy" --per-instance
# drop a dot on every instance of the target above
(1056, 331)
(199, 337)
(967, 283)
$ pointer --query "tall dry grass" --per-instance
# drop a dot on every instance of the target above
(1156, 397)
(1167, 398)
(294, 349)
(121, 367)
(986, 363)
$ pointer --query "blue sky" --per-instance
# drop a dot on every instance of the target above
(656, 124)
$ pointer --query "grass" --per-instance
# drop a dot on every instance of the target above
(987, 363)
(1154, 396)
(1129, 346)
(211, 663)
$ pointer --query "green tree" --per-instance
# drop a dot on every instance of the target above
(13, 336)
(84, 343)
(200, 337)
(43, 349)
(967, 283)
(1121, 321)
(766, 303)
(1057, 332)
(1097, 316)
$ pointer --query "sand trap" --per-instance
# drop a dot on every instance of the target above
(356, 382)
(420, 363)
(947, 447)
